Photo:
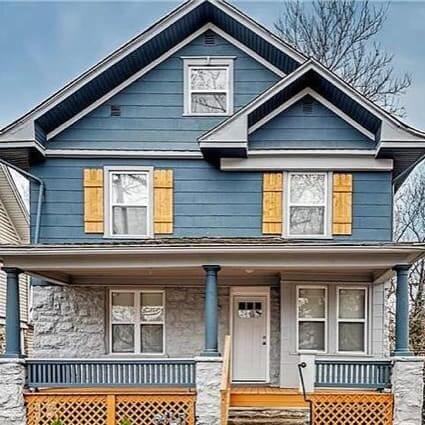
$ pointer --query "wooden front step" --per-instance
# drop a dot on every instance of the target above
(266, 397)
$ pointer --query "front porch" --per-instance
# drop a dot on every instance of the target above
(165, 337)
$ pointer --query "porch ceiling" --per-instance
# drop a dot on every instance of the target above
(176, 263)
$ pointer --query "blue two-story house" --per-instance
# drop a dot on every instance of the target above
(205, 180)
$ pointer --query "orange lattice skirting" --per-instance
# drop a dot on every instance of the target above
(352, 408)
(109, 408)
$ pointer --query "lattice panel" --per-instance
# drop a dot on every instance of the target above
(70, 409)
(155, 409)
(110, 409)
(354, 408)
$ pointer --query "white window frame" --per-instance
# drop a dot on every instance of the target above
(327, 204)
(207, 63)
(364, 320)
(137, 293)
(325, 320)
(108, 221)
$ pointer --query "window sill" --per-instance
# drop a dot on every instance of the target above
(227, 114)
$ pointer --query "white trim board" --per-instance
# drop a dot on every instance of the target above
(155, 63)
(119, 153)
(305, 162)
(308, 91)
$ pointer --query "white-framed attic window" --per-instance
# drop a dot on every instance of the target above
(308, 204)
(129, 202)
(208, 86)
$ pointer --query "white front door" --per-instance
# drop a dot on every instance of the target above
(249, 337)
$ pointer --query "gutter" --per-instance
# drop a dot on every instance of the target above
(40, 196)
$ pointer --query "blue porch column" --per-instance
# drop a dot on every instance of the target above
(211, 311)
(13, 313)
(402, 311)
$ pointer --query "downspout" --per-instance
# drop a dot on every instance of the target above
(40, 196)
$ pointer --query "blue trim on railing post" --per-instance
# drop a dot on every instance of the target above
(402, 311)
(13, 313)
(211, 311)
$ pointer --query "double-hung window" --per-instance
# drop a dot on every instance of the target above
(307, 205)
(208, 86)
(351, 319)
(137, 322)
(311, 318)
(130, 203)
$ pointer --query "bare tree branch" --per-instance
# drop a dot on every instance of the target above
(340, 34)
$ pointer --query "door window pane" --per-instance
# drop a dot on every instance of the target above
(352, 303)
(311, 336)
(351, 336)
(151, 338)
(123, 338)
(123, 307)
(311, 303)
(152, 309)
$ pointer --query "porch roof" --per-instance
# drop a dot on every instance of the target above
(240, 259)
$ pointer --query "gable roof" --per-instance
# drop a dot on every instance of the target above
(142, 50)
(392, 136)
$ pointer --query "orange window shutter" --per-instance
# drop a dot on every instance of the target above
(342, 204)
(163, 201)
(272, 203)
(93, 200)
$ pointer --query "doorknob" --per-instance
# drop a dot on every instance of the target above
(264, 342)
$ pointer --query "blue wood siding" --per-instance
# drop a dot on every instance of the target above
(319, 129)
(207, 202)
(152, 107)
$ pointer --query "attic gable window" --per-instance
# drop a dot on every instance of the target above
(208, 86)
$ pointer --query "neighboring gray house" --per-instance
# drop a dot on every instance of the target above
(211, 220)
(14, 229)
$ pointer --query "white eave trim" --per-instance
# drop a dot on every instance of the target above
(306, 161)
(119, 153)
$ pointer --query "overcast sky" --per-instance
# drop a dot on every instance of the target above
(43, 45)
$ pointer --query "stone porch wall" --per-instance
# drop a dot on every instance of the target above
(72, 322)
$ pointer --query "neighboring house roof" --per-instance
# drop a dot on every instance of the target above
(14, 206)
(25, 139)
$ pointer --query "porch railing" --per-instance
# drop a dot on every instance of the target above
(353, 373)
(111, 372)
(226, 380)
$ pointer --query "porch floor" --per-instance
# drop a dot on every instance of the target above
(265, 396)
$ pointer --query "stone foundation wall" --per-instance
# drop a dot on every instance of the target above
(208, 380)
(68, 321)
(12, 380)
(407, 386)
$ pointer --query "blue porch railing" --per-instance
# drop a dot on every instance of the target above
(353, 373)
(111, 372)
